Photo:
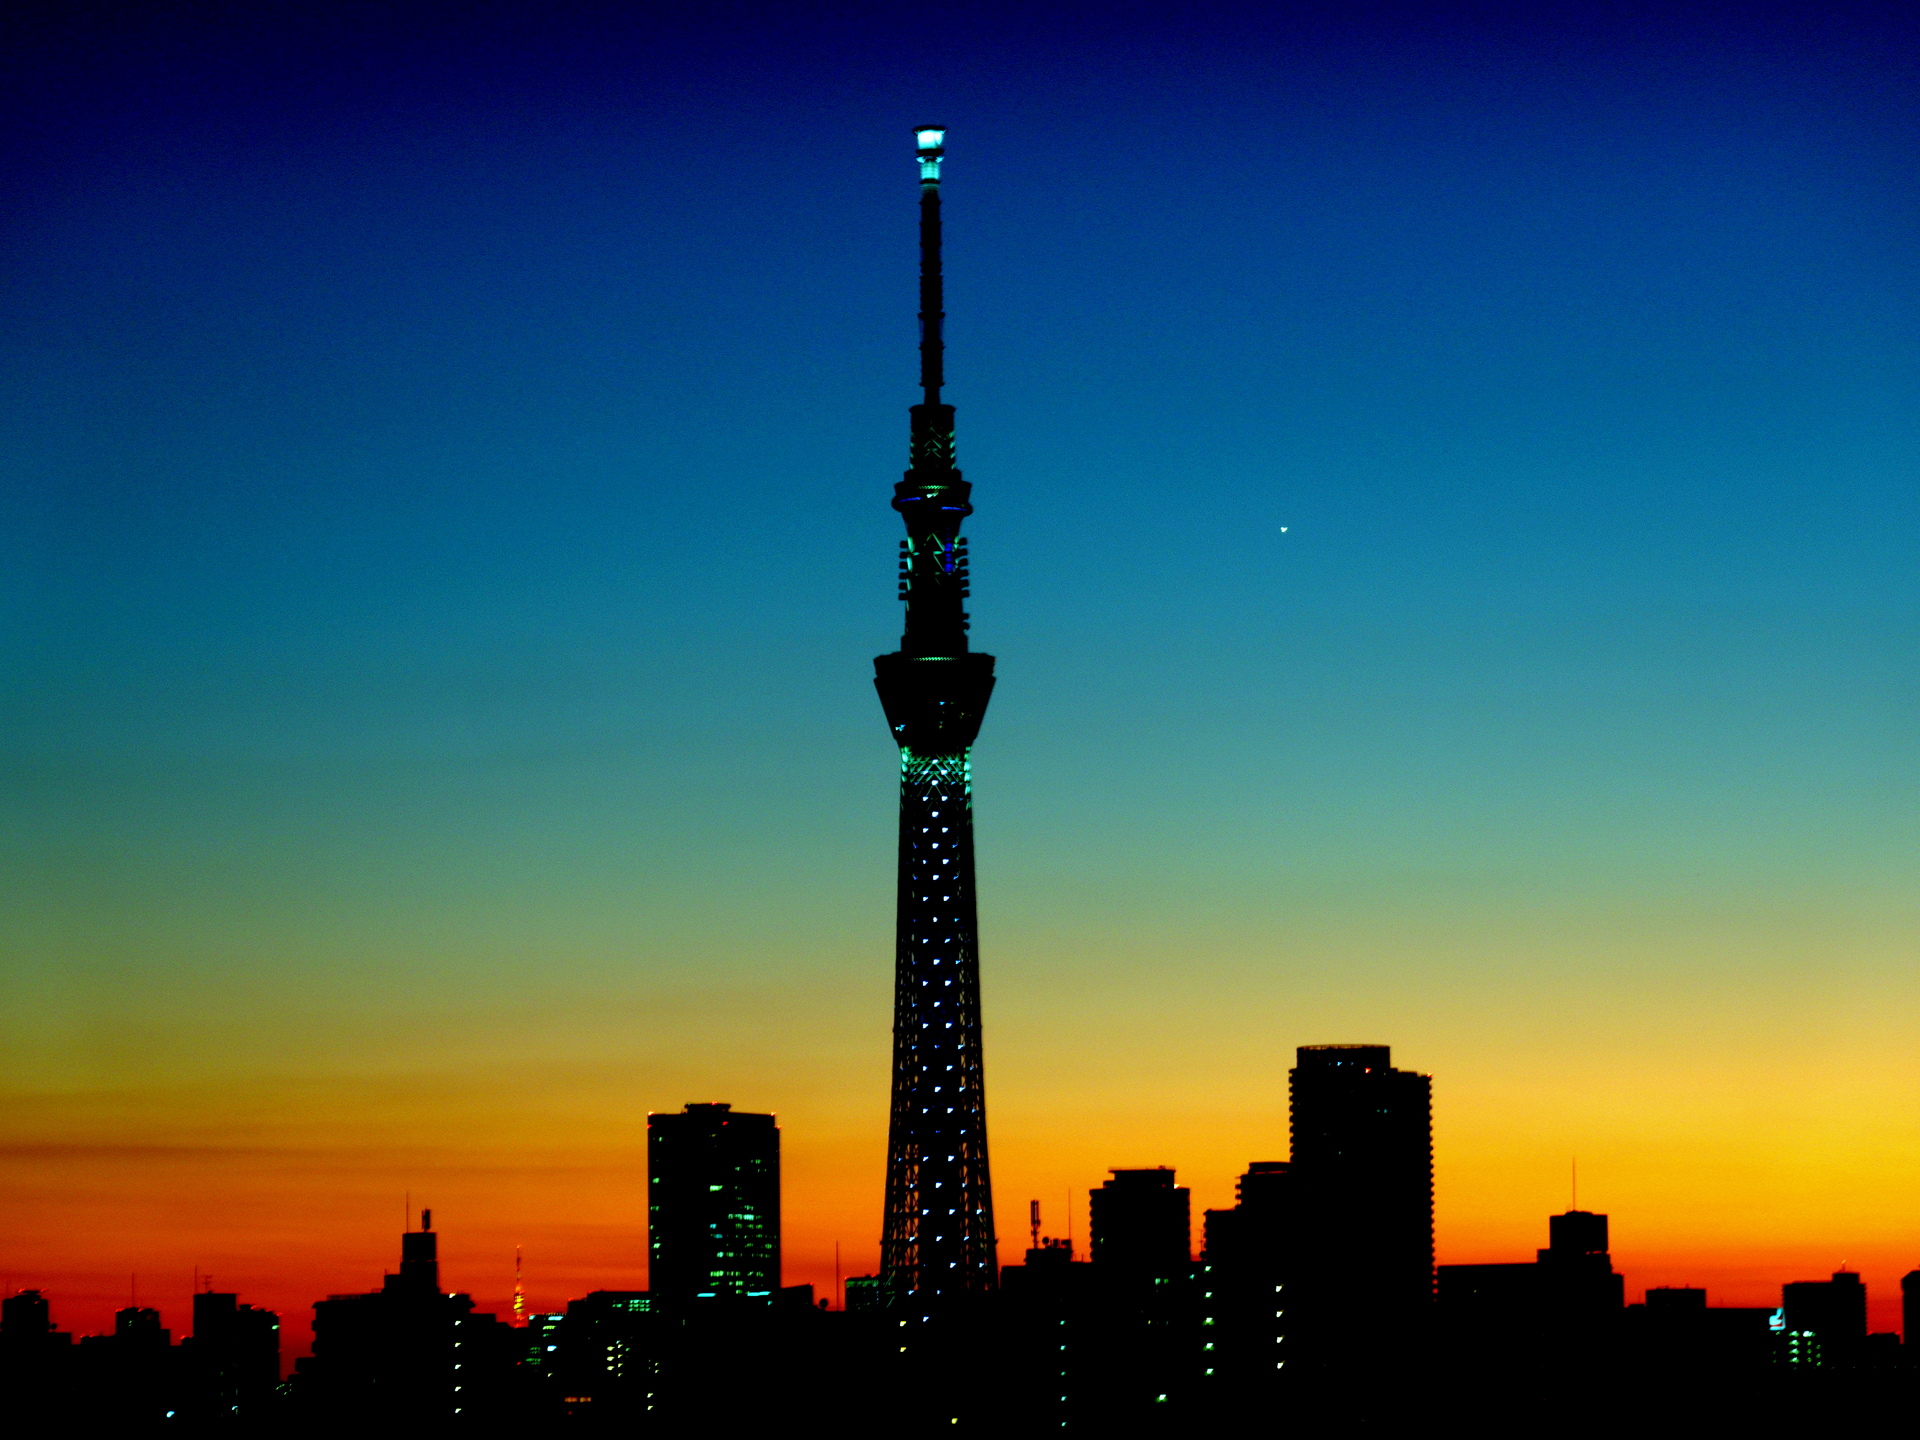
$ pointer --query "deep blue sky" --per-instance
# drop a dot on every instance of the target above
(444, 530)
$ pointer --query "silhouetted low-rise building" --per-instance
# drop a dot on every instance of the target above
(1523, 1328)
(127, 1378)
(1500, 1295)
(1142, 1227)
(1570, 1283)
(1675, 1340)
(602, 1358)
(728, 1365)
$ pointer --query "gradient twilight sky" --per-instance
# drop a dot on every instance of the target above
(446, 463)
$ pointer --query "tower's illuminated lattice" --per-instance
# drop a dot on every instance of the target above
(938, 1235)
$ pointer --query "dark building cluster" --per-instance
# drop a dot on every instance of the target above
(228, 1367)
(1313, 1297)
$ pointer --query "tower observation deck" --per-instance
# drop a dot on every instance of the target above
(937, 1240)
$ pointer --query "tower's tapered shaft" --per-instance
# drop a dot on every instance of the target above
(937, 1239)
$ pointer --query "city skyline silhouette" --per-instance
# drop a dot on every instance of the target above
(1446, 560)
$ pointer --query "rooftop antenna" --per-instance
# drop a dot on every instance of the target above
(519, 1291)
(1033, 1221)
(839, 1294)
(406, 1210)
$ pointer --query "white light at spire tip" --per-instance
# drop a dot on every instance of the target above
(929, 142)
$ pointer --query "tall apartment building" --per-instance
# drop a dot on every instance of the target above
(713, 1204)
(1362, 1163)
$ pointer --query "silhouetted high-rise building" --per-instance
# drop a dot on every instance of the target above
(36, 1360)
(1575, 1232)
(1363, 1159)
(713, 1204)
(1244, 1299)
(26, 1323)
(233, 1356)
(1256, 1233)
(419, 1260)
(1052, 1310)
(1139, 1349)
(407, 1353)
(1825, 1320)
(1142, 1226)
(1910, 1308)
(937, 1235)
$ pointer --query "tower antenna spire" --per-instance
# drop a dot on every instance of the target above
(933, 497)
(930, 146)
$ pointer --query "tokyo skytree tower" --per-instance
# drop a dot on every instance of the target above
(937, 1240)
